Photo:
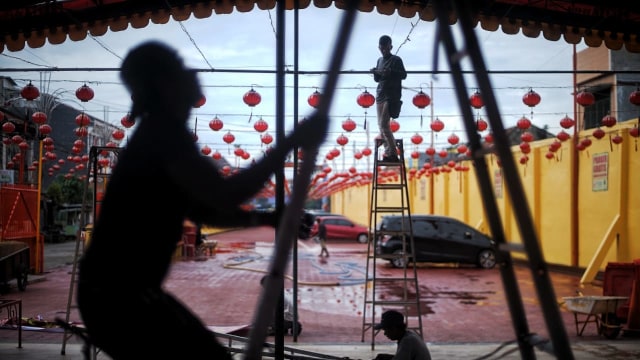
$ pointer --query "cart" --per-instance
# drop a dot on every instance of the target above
(14, 264)
(600, 310)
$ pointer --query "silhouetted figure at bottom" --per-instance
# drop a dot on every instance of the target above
(160, 180)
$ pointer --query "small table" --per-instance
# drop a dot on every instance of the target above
(14, 309)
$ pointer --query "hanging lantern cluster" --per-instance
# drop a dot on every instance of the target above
(634, 132)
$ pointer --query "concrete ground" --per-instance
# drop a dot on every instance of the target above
(464, 309)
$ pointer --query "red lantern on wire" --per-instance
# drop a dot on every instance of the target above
(634, 97)
(314, 99)
(437, 125)
(609, 120)
(366, 151)
(366, 100)
(252, 98)
(394, 125)
(476, 100)
(8, 127)
(531, 98)
(261, 125)
(481, 125)
(228, 137)
(45, 129)
(216, 155)
(117, 134)
(30, 92)
(84, 93)
(39, 117)
(127, 121)
(266, 139)
(563, 136)
(598, 133)
(342, 140)
(523, 123)
(567, 122)
(83, 119)
(421, 100)
(585, 98)
(453, 139)
(215, 124)
(348, 125)
(416, 139)
(200, 102)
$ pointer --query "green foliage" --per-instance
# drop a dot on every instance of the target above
(67, 190)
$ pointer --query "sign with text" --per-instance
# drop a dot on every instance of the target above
(600, 170)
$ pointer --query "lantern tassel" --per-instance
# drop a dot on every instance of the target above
(610, 143)
(421, 120)
(250, 116)
(365, 120)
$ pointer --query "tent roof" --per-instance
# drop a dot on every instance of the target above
(32, 23)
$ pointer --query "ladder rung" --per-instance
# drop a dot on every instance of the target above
(396, 186)
(394, 279)
(391, 209)
(393, 302)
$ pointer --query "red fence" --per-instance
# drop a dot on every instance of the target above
(19, 220)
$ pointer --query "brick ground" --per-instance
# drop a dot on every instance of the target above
(460, 305)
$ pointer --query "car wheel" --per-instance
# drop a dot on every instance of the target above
(398, 260)
(363, 238)
(487, 259)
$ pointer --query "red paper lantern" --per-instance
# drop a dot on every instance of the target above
(415, 154)
(47, 141)
(453, 139)
(481, 125)
(526, 136)
(84, 93)
(549, 155)
(8, 127)
(462, 149)
(215, 124)
(617, 139)
(117, 134)
(567, 122)
(200, 102)
(394, 125)
(531, 98)
(598, 133)
(252, 98)
(39, 117)
(366, 151)
(348, 125)
(488, 138)
(443, 153)
(421, 100)
(585, 98)
(416, 139)
(44, 129)
(476, 100)
(127, 121)
(357, 155)
(563, 136)
(365, 99)
(609, 120)
(216, 155)
(81, 131)
(525, 147)
(314, 99)
(266, 139)
(523, 123)
(83, 119)
(437, 125)
(238, 152)
(261, 125)
(30, 92)
(228, 137)
(342, 140)
(430, 151)
(586, 142)
(634, 98)
(634, 131)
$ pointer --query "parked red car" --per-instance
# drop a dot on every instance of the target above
(340, 227)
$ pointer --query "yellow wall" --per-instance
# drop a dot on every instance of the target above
(568, 229)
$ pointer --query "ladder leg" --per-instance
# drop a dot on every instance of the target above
(538, 267)
(409, 301)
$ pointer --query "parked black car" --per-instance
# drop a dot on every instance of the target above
(437, 239)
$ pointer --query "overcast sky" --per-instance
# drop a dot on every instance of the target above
(247, 41)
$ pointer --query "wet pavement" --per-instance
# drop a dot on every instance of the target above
(464, 309)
